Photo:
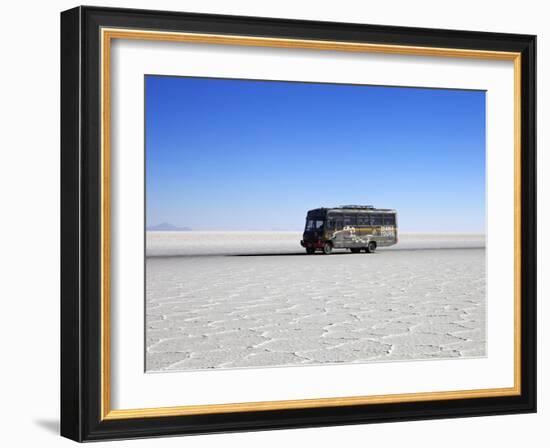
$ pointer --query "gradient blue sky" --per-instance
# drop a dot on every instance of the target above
(256, 155)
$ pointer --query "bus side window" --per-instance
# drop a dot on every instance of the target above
(376, 220)
(338, 225)
(389, 220)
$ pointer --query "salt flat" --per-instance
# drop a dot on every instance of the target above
(254, 299)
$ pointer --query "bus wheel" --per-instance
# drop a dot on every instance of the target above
(355, 250)
(327, 249)
(310, 250)
(371, 247)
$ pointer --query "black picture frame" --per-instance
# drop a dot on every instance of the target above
(81, 382)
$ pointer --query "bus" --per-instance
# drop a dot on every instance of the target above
(354, 227)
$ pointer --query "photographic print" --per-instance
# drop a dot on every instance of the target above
(296, 224)
(343, 212)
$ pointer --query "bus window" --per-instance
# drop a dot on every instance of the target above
(350, 220)
(389, 220)
(376, 220)
(363, 220)
(314, 224)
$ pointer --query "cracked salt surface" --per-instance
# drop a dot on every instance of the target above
(237, 299)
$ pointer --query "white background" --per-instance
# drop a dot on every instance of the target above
(30, 222)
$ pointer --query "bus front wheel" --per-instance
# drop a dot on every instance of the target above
(327, 249)
(371, 247)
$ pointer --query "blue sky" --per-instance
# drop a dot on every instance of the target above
(256, 155)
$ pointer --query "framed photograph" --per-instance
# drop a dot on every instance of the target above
(273, 223)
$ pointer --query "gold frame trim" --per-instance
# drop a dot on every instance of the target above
(107, 35)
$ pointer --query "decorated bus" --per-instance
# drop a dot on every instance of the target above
(354, 227)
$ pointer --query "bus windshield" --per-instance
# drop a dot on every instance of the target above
(314, 224)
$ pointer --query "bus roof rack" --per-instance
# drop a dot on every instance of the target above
(357, 206)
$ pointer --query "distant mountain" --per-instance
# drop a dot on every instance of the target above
(167, 227)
